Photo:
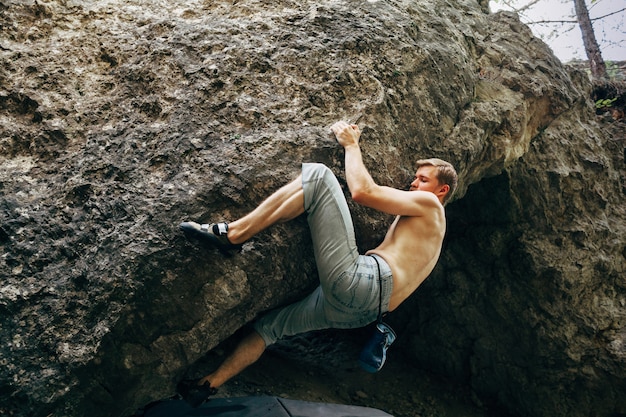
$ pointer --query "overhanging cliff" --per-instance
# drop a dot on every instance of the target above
(121, 119)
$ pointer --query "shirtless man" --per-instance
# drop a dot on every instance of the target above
(351, 285)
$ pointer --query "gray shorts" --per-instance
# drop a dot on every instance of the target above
(349, 291)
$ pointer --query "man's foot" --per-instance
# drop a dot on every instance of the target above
(374, 354)
(195, 394)
(215, 234)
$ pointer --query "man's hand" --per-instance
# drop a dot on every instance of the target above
(347, 135)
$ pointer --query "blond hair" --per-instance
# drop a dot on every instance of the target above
(446, 174)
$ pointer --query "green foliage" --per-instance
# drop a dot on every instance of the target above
(604, 103)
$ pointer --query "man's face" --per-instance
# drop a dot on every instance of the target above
(426, 179)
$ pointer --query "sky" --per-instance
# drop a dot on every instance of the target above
(566, 39)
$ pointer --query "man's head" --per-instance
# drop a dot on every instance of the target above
(437, 176)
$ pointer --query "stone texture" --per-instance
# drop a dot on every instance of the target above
(121, 119)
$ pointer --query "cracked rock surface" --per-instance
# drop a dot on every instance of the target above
(120, 119)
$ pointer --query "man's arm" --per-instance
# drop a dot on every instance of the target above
(363, 188)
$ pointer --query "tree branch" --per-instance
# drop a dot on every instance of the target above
(528, 6)
(610, 14)
(538, 22)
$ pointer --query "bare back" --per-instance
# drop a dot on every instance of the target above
(411, 248)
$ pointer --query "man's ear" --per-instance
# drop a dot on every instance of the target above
(444, 189)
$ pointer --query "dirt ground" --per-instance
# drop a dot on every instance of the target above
(322, 367)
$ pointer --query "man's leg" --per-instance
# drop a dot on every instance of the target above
(245, 354)
(285, 204)
(326, 226)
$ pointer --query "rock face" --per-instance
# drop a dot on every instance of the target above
(122, 118)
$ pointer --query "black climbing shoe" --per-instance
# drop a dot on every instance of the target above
(215, 234)
(194, 394)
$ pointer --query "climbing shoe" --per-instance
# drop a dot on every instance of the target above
(194, 394)
(214, 234)
(374, 354)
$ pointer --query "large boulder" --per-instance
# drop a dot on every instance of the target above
(121, 119)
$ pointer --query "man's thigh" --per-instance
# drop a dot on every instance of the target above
(330, 222)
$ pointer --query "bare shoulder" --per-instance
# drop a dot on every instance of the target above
(427, 204)
(425, 198)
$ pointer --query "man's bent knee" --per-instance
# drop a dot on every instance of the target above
(315, 169)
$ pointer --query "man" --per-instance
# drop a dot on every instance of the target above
(354, 289)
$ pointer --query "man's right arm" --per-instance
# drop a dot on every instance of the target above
(357, 176)
(366, 192)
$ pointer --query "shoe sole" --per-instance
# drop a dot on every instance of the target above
(207, 237)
